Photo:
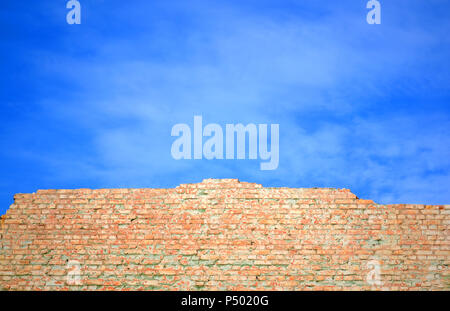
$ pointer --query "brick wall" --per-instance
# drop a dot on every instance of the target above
(221, 235)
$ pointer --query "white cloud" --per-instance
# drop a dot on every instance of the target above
(314, 77)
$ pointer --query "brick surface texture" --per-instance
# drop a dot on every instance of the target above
(221, 235)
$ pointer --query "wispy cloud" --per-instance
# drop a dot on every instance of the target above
(358, 106)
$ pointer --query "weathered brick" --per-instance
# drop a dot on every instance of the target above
(220, 235)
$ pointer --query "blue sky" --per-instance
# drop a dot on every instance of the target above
(365, 107)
